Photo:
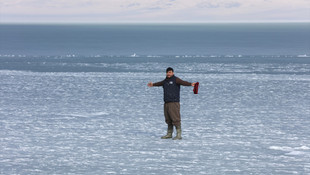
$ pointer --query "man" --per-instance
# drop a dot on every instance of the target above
(171, 86)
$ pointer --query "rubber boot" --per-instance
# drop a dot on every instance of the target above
(179, 132)
(169, 132)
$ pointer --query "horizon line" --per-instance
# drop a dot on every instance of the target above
(154, 22)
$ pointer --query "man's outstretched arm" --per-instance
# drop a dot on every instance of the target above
(184, 83)
(150, 84)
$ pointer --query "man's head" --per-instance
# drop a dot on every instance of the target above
(169, 72)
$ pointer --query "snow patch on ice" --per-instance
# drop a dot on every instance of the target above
(87, 114)
(304, 148)
(281, 148)
(286, 148)
(296, 151)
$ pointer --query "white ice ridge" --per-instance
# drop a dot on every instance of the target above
(302, 150)
(155, 56)
(87, 114)
(286, 148)
(303, 56)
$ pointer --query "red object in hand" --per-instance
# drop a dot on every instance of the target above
(196, 88)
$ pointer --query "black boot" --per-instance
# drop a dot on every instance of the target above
(169, 132)
(179, 132)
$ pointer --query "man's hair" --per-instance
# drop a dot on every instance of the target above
(169, 69)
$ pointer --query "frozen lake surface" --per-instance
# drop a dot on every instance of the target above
(111, 122)
(74, 99)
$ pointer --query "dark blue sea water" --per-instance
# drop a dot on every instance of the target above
(74, 100)
(93, 48)
(182, 39)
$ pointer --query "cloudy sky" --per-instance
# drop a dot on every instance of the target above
(114, 11)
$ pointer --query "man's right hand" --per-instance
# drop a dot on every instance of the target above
(150, 84)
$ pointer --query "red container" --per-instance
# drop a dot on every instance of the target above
(196, 88)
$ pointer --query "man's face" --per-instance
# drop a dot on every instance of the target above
(169, 74)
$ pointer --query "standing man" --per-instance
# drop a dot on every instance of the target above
(171, 86)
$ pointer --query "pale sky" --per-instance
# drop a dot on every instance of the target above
(153, 11)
